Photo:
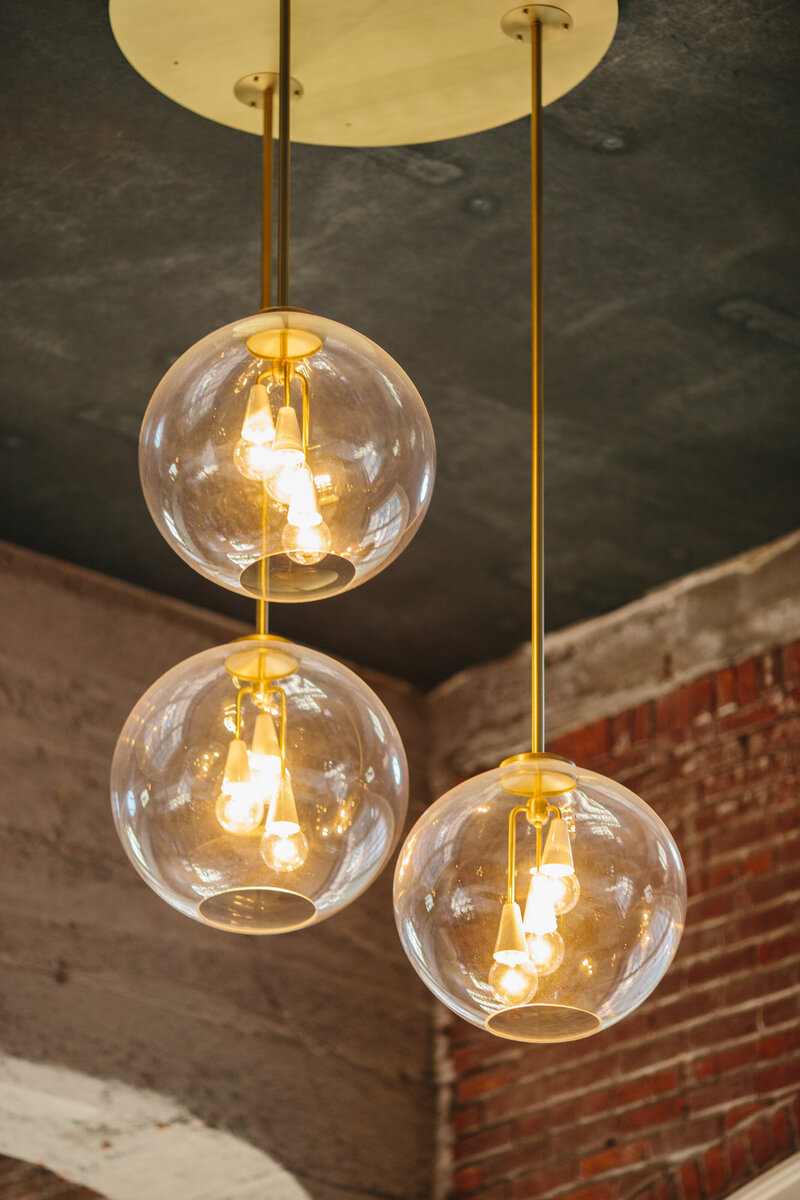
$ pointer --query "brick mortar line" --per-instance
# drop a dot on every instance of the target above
(653, 1069)
(582, 1123)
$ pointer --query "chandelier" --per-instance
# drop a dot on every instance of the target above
(260, 786)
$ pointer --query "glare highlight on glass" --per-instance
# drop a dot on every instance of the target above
(259, 786)
(523, 952)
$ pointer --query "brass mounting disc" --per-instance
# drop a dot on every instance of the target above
(255, 664)
(538, 774)
(250, 90)
(374, 74)
(283, 344)
(519, 22)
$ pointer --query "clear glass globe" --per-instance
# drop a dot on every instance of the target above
(287, 455)
(595, 961)
(208, 819)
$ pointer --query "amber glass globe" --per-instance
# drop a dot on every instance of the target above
(615, 891)
(223, 830)
(287, 455)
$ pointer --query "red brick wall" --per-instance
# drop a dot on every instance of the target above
(24, 1181)
(697, 1091)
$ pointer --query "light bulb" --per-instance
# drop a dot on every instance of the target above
(306, 546)
(241, 812)
(303, 506)
(281, 483)
(546, 951)
(254, 460)
(540, 913)
(513, 985)
(565, 891)
(284, 852)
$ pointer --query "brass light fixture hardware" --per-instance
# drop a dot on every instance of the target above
(605, 897)
(260, 786)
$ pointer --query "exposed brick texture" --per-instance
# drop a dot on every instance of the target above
(26, 1181)
(696, 1092)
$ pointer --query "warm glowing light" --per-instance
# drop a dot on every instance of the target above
(254, 460)
(303, 506)
(280, 484)
(282, 819)
(240, 813)
(513, 985)
(265, 750)
(546, 951)
(510, 947)
(307, 546)
(562, 891)
(288, 446)
(283, 853)
(540, 913)
(557, 855)
(258, 425)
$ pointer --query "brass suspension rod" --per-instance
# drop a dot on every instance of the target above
(266, 200)
(284, 146)
(537, 498)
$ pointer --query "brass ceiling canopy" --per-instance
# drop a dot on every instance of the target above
(370, 73)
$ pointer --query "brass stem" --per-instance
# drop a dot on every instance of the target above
(267, 156)
(241, 692)
(537, 513)
(512, 850)
(304, 390)
(284, 146)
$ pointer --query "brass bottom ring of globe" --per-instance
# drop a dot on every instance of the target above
(543, 1023)
(289, 580)
(257, 910)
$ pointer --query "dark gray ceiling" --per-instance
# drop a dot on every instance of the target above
(672, 322)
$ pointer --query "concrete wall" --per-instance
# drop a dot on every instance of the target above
(313, 1047)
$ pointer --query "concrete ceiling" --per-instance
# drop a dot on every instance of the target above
(672, 321)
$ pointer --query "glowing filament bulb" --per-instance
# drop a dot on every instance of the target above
(239, 807)
(565, 891)
(303, 506)
(546, 951)
(540, 912)
(308, 545)
(284, 852)
(513, 985)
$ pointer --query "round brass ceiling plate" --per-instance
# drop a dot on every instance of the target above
(372, 73)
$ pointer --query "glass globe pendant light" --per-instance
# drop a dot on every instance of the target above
(286, 438)
(259, 786)
(539, 900)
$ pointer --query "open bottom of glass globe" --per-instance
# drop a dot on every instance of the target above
(543, 1023)
(258, 910)
(286, 579)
